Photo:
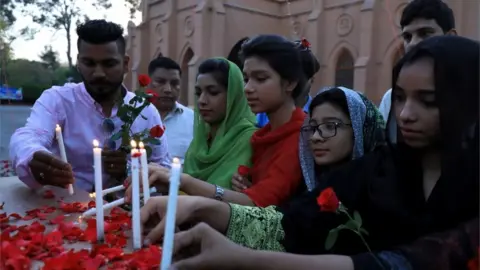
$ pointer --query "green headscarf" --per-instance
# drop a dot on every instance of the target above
(231, 146)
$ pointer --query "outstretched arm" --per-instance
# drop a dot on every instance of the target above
(36, 135)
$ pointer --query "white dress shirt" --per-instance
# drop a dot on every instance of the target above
(179, 130)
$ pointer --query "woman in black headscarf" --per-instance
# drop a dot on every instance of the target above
(427, 183)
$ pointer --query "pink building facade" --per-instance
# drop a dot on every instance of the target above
(356, 41)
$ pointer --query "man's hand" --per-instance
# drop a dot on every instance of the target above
(207, 249)
(115, 163)
(50, 170)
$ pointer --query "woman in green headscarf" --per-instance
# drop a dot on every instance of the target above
(223, 126)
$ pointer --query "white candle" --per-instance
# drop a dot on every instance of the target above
(110, 205)
(135, 164)
(63, 153)
(167, 250)
(105, 207)
(113, 189)
(144, 164)
(97, 166)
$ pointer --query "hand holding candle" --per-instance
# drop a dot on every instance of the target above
(63, 153)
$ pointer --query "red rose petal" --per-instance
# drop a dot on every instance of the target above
(13, 216)
(91, 204)
(58, 219)
(48, 194)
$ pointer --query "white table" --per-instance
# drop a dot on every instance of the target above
(19, 198)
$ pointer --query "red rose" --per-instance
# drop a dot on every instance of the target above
(144, 80)
(153, 95)
(243, 170)
(156, 131)
(328, 201)
(473, 264)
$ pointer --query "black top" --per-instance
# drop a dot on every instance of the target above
(386, 186)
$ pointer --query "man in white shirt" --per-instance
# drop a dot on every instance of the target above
(420, 19)
(178, 119)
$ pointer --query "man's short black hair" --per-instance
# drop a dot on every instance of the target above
(163, 62)
(429, 9)
(101, 32)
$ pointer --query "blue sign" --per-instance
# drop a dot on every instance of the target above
(11, 93)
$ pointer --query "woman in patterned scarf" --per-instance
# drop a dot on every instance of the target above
(342, 125)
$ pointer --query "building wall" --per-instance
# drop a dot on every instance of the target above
(356, 41)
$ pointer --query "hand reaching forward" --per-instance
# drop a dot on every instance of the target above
(50, 170)
(208, 248)
(190, 209)
(153, 212)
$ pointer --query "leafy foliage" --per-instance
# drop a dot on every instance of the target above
(128, 113)
(33, 77)
(49, 58)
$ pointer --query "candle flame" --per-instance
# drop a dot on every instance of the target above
(140, 145)
(92, 195)
(80, 219)
(95, 143)
(176, 160)
(58, 127)
(133, 144)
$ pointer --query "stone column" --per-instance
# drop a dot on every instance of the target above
(363, 65)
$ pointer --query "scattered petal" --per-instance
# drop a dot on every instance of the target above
(48, 194)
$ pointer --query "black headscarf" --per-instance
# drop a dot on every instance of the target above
(386, 185)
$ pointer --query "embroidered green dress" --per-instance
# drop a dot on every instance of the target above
(256, 228)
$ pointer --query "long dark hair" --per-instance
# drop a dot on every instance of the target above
(456, 69)
(282, 56)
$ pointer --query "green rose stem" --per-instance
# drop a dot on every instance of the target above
(357, 230)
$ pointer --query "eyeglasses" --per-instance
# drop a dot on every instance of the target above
(325, 130)
(108, 128)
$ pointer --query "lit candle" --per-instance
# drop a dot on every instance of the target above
(63, 153)
(144, 164)
(97, 166)
(137, 244)
(167, 250)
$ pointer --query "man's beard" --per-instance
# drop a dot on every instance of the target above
(108, 93)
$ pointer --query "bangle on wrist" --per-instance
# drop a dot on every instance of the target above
(219, 192)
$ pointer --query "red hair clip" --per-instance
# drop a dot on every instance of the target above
(305, 43)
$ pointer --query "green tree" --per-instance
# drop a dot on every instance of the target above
(7, 7)
(64, 15)
(61, 15)
(5, 41)
(34, 77)
(49, 58)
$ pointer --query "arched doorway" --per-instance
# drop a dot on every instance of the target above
(344, 70)
(234, 53)
(187, 56)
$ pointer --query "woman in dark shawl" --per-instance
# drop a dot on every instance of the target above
(435, 100)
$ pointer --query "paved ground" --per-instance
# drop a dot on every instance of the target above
(11, 118)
